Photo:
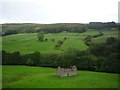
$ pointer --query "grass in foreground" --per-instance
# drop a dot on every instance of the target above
(41, 77)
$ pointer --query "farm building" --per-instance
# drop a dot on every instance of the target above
(64, 72)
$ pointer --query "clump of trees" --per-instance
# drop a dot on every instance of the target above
(89, 38)
(100, 25)
(64, 38)
(104, 57)
(58, 44)
(53, 40)
(97, 35)
(41, 36)
(35, 59)
(107, 54)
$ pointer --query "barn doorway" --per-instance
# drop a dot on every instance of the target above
(67, 74)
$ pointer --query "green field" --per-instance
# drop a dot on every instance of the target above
(28, 43)
(41, 77)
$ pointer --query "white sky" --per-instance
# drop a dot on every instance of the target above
(58, 11)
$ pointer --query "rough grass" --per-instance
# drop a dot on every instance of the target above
(41, 77)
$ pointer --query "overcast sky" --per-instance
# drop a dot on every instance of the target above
(58, 11)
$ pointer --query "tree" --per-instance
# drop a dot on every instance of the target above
(40, 36)
(46, 39)
(88, 40)
(98, 49)
(29, 62)
(57, 46)
(36, 57)
(111, 40)
(69, 57)
(59, 43)
(64, 38)
(51, 60)
(53, 40)
(4, 58)
(15, 58)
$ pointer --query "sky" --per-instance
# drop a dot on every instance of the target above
(58, 11)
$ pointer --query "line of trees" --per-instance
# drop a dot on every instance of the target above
(100, 25)
(57, 28)
(60, 43)
(104, 57)
(89, 38)
(8, 29)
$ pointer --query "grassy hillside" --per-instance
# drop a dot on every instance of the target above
(107, 34)
(39, 77)
(28, 43)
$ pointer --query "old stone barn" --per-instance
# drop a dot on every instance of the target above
(64, 72)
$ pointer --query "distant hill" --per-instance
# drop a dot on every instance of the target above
(15, 28)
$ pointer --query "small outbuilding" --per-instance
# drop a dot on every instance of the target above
(64, 72)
